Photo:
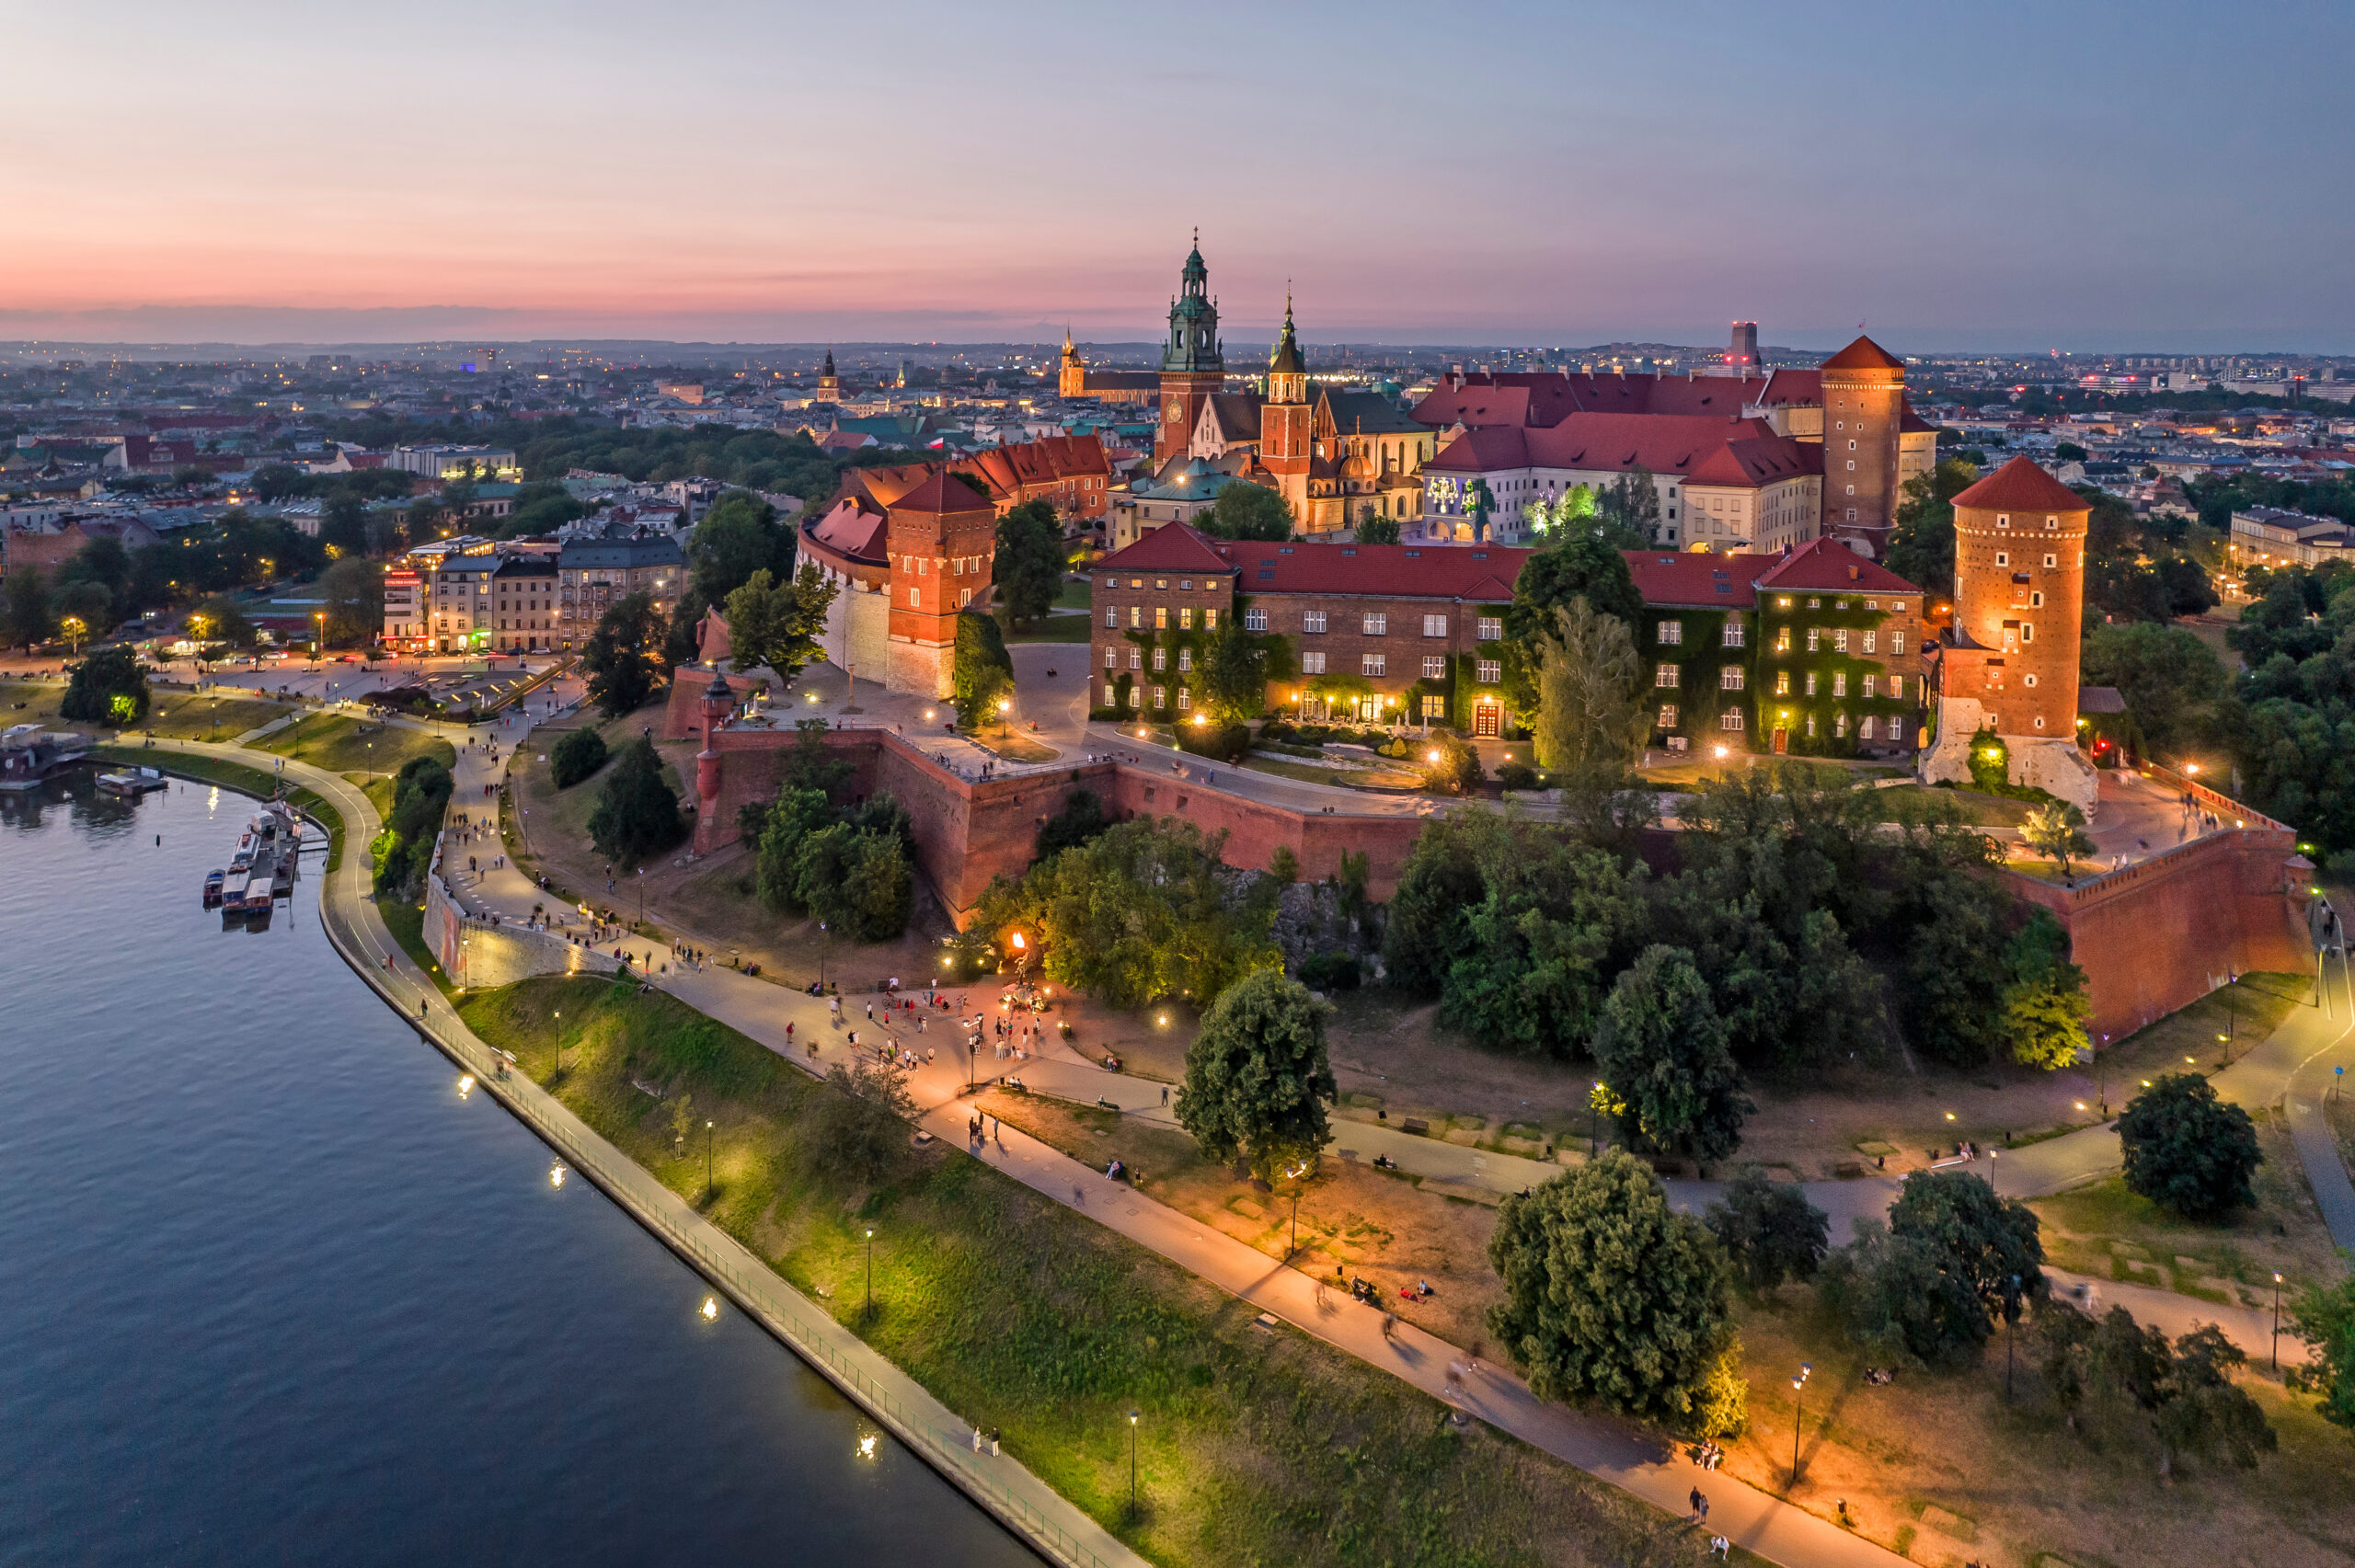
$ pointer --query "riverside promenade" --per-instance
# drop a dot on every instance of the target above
(1025, 1504)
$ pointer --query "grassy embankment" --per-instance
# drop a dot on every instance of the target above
(360, 750)
(1021, 1315)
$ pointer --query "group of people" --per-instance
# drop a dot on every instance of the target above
(1708, 1455)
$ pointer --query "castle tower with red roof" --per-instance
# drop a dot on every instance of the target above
(940, 536)
(1864, 403)
(2009, 665)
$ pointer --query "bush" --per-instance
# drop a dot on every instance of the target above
(1449, 765)
(405, 849)
(108, 687)
(1517, 775)
(2188, 1150)
(1081, 819)
(1329, 971)
(1278, 729)
(1225, 742)
(576, 757)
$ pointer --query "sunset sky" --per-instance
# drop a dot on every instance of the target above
(2158, 176)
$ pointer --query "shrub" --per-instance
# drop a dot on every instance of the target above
(1517, 775)
(576, 757)
(1225, 742)
(637, 815)
(1081, 819)
(1278, 729)
(1336, 970)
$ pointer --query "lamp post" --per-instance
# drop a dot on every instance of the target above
(707, 1158)
(869, 1310)
(1132, 1462)
(2277, 1319)
(2012, 1335)
(560, 1048)
(1798, 1389)
(641, 895)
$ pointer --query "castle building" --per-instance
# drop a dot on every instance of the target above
(1193, 361)
(1864, 403)
(910, 548)
(2008, 666)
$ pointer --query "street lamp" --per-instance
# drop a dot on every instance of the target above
(560, 1048)
(1798, 1389)
(869, 1310)
(1132, 1462)
(641, 895)
(707, 1158)
(2277, 1319)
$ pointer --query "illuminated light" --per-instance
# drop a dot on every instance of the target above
(1720, 752)
(2192, 767)
(555, 1175)
(1162, 1020)
(2080, 1105)
(1950, 1115)
(466, 1084)
(927, 713)
(866, 1448)
(1018, 943)
(710, 1309)
(1434, 756)
(2146, 1084)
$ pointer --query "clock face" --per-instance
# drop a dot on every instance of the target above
(1177, 410)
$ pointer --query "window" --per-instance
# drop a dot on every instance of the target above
(1667, 715)
(1161, 617)
(1160, 659)
(1871, 638)
(1111, 658)
(2036, 600)
(1897, 642)
(1111, 695)
(1839, 683)
(1136, 582)
(1187, 584)
(1376, 623)
(1185, 658)
(1782, 639)
(1434, 707)
(1782, 683)
(1253, 619)
(1112, 615)
(1490, 672)
(2051, 560)
(2002, 558)
(1840, 639)
(1865, 728)
(1868, 685)
(1814, 638)
(1313, 622)
(1210, 617)
(1664, 675)
(1161, 696)
(1372, 663)
(1896, 689)
(1729, 719)
(1185, 617)
(1810, 683)
(1840, 725)
(2027, 632)
(2027, 679)
(1136, 658)
(1312, 663)
(915, 596)
(1161, 582)
(1492, 628)
(1185, 697)
(1736, 634)
(1136, 617)
(1671, 633)
(1729, 679)
(1435, 667)
(1434, 625)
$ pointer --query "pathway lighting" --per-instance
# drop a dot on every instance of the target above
(869, 1310)
(2277, 1319)
(555, 1175)
(1798, 1390)
(710, 1309)
(1132, 1462)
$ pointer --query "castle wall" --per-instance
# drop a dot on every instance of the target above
(857, 627)
(477, 954)
(2163, 932)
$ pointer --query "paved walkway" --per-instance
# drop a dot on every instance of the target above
(1001, 1483)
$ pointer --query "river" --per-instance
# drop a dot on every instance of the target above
(271, 1291)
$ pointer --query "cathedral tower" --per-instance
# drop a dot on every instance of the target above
(1285, 445)
(830, 385)
(1194, 363)
(1071, 379)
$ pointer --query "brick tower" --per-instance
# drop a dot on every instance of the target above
(1070, 372)
(1285, 446)
(1864, 401)
(940, 536)
(2010, 663)
(1193, 362)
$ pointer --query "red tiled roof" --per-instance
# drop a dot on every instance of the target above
(1670, 578)
(944, 493)
(1864, 354)
(1539, 399)
(851, 530)
(1828, 564)
(1790, 386)
(1173, 547)
(1479, 573)
(2021, 486)
(1733, 452)
(1909, 420)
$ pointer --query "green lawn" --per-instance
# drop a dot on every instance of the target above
(1256, 1446)
(1053, 629)
(342, 744)
(187, 716)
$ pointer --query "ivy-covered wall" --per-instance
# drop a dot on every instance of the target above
(1826, 721)
(1701, 657)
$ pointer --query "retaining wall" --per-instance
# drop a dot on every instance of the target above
(474, 952)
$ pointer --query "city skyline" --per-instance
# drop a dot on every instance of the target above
(1955, 185)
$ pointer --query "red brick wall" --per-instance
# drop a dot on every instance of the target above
(2161, 935)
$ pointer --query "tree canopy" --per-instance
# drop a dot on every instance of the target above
(1952, 1257)
(741, 534)
(1610, 1295)
(108, 686)
(2188, 1150)
(1028, 566)
(1580, 563)
(1662, 1048)
(1256, 1077)
(1244, 511)
(624, 656)
(637, 813)
(1769, 1230)
(779, 625)
(1590, 716)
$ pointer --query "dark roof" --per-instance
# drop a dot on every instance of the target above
(1731, 452)
(1828, 565)
(1864, 354)
(1173, 547)
(1690, 580)
(649, 549)
(1369, 414)
(2021, 486)
(2100, 699)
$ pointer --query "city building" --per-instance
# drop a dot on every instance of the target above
(455, 461)
(523, 617)
(1075, 380)
(595, 569)
(2008, 664)
(2269, 536)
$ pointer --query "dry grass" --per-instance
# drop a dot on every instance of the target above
(176, 717)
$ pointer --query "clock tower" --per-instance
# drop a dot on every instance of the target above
(1285, 448)
(1193, 364)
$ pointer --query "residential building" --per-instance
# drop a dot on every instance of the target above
(594, 571)
(2270, 536)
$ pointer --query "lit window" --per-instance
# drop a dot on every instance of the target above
(1161, 617)
(1664, 675)
(1111, 695)
(1372, 663)
(1667, 715)
(1185, 617)
(1782, 683)
(1136, 617)
(1210, 618)
(1671, 633)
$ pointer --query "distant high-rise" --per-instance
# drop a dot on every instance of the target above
(1744, 355)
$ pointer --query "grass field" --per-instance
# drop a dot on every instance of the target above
(343, 744)
(1051, 629)
(189, 717)
(1255, 1447)
(28, 701)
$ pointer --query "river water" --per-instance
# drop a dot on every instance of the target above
(271, 1292)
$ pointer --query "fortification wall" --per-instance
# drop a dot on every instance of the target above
(2163, 932)
(476, 954)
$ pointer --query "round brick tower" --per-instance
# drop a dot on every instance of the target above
(2010, 663)
(1864, 403)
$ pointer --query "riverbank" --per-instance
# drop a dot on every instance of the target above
(261, 782)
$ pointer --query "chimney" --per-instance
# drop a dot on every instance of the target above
(1853, 574)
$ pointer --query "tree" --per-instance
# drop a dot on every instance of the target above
(2045, 1003)
(1590, 718)
(1574, 510)
(1081, 819)
(739, 535)
(1257, 1079)
(1769, 1230)
(1932, 1282)
(2116, 1368)
(1232, 673)
(1027, 566)
(2069, 451)
(2057, 832)
(1630, 506)
(354, 592)
(25, 608)
(1581, 564)
(403, 850)
(981, 671)
(779, 625)
(1662, 1048)
(2188, 1150)
(2324, 1317)
(1451, 766)
(682, 642)
(108, 687)
(1378, 530)
(219, 620)
(1921, 540)
(637, 813)
(2170, 679)
(856, 880)
(799, 811)
(1610, 1295)
(1244, 511)
(83, 609)
(577, 756)
(857, 1127)
(623, 654)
